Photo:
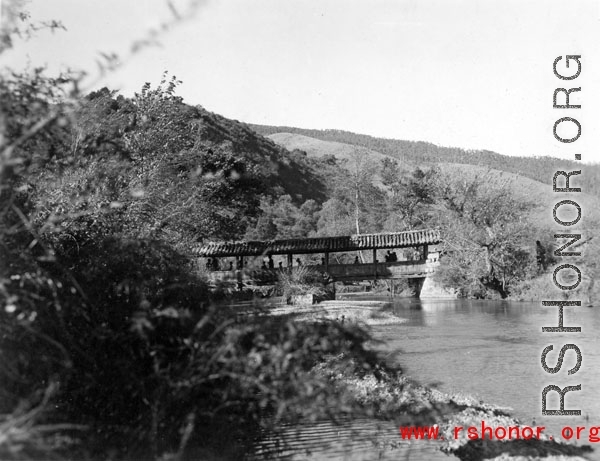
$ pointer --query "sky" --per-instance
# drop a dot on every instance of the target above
(476, 74)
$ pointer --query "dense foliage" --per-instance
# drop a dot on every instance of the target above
(110, 343)
(497, 240)
(489, 240)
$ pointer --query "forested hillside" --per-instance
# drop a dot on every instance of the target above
(110, 344)
(491, 219)
(115, 343)
(540, 168)
(108, 328)
(167, 168)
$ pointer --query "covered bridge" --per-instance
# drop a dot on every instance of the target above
(424, 241)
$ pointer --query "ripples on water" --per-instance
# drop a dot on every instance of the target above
(356, 440)
(490, 349)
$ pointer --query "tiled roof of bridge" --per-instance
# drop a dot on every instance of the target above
(321, 244)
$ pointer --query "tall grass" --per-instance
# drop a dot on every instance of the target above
(301, 280)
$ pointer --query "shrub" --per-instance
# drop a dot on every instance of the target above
(301, 280)
(110, 347)
(134, 352)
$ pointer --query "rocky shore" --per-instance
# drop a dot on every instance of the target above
(363, 312)
(387, 394)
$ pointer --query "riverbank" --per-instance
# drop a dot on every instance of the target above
(390, 394)
(362, 312)
(387, 394)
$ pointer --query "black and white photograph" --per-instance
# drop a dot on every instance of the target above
(295, 230)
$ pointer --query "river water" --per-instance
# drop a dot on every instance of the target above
(490, 349)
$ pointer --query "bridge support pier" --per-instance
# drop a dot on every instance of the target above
(430, 289)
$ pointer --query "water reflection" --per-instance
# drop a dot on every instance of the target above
(489, 349)
(492, 349)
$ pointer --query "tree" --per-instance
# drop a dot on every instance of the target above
(391, 175)
(487, 234)
(265, 228)
(411, 202)
(282, 219)
(335, 218)
(161, 123)
(357, 186)
(306, 222)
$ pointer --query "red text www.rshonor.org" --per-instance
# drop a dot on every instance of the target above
(591, 433)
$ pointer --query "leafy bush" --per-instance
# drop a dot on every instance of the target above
(110, 345)
(137, 355)
(301, 280)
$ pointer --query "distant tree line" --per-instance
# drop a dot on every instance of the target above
(539, 168)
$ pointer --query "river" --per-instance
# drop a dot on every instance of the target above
(490, 349)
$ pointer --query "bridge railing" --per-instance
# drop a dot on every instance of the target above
(396, 269)
(341, 272)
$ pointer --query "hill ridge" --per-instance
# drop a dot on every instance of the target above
(539, 168)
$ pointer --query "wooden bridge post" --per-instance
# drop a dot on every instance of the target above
(240, 279)
(375, 262)
(326, 261)
(239, 272)
(290, 259)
